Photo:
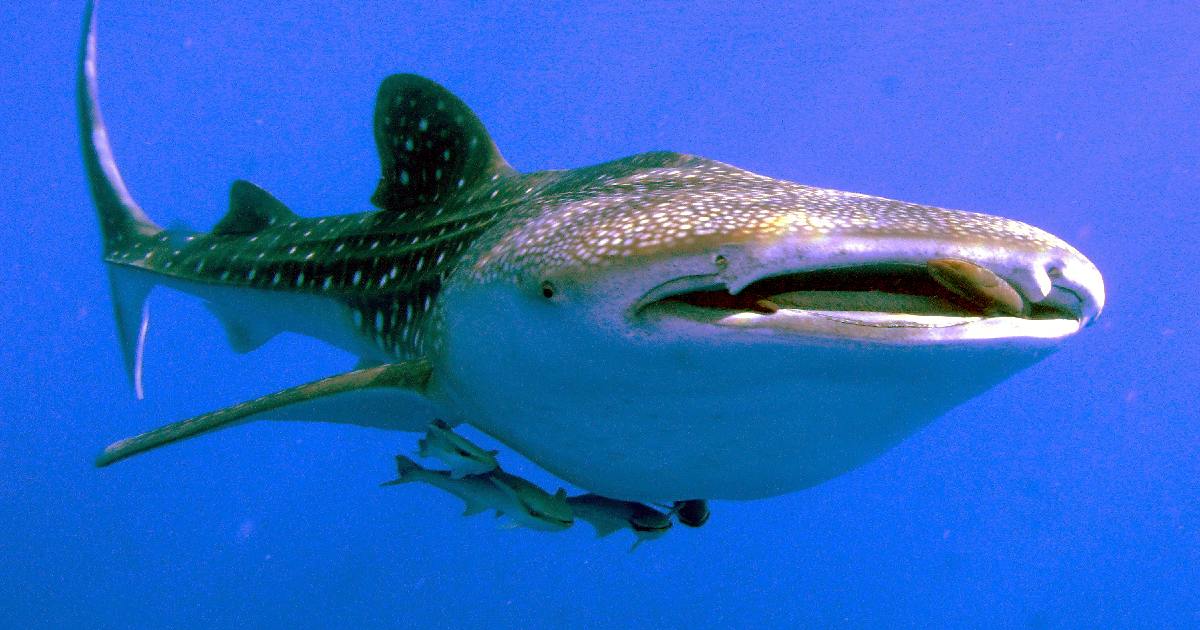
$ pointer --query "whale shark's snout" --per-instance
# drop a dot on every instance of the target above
(909, 289)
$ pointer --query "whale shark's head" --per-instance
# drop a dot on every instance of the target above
(654, 301)
(666, 242)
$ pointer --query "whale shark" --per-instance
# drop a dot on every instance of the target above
(659, 328)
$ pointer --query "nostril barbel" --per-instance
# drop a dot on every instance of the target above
(1033, 282)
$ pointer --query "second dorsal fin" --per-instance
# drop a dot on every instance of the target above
(251, 209)
(431, 145)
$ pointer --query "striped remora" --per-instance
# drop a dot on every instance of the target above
(656, 328)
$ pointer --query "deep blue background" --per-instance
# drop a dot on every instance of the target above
(1067, 497)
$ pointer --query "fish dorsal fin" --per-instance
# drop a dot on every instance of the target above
(251, 209)
(431, 145)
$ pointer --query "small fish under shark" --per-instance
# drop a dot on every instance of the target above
(610, 515)
(461, 456)
(476, 478)
(523, 502)
(659, 328)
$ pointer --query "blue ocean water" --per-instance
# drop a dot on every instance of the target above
(1066, 497)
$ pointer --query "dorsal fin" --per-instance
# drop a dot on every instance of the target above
(431, 145)
(251, 209)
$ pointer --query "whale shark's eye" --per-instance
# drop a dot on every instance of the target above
(547, 289)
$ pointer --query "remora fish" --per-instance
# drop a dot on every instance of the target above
(460, 455)
(609, 515)
(524, 503)
(615, 324)
(540, 509)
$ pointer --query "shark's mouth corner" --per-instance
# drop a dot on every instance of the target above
(880, 302)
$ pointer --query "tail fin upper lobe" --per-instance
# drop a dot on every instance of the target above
(120, 217)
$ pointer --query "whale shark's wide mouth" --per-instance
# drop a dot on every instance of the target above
(884, 302)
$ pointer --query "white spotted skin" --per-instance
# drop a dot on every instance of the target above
(665, 206)
(382, 269)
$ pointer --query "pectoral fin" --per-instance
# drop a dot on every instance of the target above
(410, 375)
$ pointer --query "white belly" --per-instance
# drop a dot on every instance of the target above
(715, 418)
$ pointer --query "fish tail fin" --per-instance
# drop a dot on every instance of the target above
(124, 227)
(405, 468)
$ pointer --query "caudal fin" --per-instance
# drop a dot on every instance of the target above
(405, 468)
(123, 225)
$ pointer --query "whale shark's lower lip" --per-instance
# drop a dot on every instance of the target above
(904, 328)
